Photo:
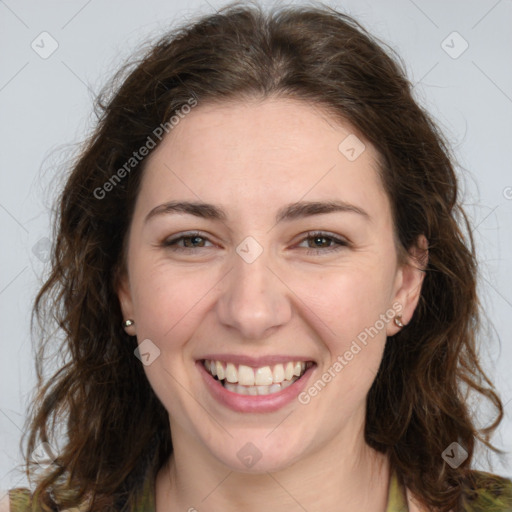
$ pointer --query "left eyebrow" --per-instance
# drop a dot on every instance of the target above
(289, 212)
(309, 208)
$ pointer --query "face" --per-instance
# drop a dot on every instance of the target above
(262, 238)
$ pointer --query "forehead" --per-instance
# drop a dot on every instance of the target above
(259, 152)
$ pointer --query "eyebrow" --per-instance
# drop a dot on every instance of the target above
(289, 212)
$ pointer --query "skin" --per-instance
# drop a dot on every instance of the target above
(251, 159)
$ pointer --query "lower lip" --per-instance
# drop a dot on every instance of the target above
(254, 403)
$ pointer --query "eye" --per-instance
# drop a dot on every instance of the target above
(190, 241)
(318, 242)
(321, 242)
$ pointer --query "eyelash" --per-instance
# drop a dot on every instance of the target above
(340, 243)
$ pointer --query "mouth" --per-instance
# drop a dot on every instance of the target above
(256, 381)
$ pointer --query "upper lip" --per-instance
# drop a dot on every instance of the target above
(255, 362)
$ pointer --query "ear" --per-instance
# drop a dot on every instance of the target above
(124, 294)
(409, 280)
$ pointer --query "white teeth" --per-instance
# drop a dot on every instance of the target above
(258, 390)
(263, 376)
(246, 380)
(288, 371)
(220, 370)
(287, 383)
(252, 390)
(231, 387)
(245, 375)
(278, 373)
(263, 390)
(231, 373)
(275, 388)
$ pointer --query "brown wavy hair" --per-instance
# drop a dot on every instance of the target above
(112, 427)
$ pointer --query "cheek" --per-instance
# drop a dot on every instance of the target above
(170, 305)
(350, 312)
(169, 301)
(345, 301)
(346, 309)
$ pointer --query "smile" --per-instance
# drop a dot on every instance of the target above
(244, 385)
(264, 380)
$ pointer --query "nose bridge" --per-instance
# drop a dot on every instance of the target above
(253, 300)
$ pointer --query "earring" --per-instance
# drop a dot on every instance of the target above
(128, 323)
(398, 321)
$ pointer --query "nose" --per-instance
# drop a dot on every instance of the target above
(253, 299)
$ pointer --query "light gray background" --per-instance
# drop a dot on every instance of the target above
(45, 107)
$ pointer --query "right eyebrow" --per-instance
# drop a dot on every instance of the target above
(203, 210)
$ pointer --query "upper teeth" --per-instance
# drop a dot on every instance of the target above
(263, 376)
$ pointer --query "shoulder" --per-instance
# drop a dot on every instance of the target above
(485, 492)
(15, 500)
(19, 500)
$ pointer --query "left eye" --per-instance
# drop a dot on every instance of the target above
(323, 242)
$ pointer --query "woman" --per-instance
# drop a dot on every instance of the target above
(266, 294)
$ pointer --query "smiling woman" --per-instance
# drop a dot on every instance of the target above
(275, 309)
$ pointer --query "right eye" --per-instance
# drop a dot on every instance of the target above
(190, 241)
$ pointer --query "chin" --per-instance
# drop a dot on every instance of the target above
(257, 454)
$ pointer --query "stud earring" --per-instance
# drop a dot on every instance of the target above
(398, 321)
(128, 323)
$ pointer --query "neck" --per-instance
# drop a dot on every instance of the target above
(332, 475)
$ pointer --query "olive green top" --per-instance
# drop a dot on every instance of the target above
(490, 494)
